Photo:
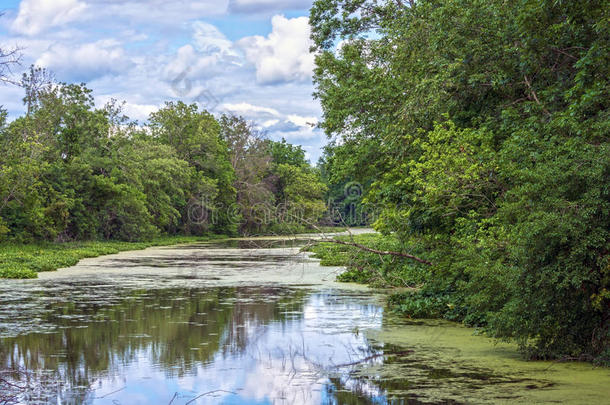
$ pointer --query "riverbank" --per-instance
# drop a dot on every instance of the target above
(27, 260)
(369, 267)
(412, 291)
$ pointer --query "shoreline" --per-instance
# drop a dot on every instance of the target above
(26, 261)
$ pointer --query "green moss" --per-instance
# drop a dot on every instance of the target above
(26, 260)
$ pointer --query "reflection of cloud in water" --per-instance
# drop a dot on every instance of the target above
(256, 345)
(288, 362)
(297, 357)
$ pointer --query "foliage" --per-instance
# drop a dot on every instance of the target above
(484, 127)
(371, 268)
(197, 139)
(25, 261)
(344, 194)
(251, 161)
(71, 172)
(300, 192)
(277, 190)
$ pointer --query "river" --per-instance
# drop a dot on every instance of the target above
(249, 322)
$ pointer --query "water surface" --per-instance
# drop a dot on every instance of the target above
(248, 322)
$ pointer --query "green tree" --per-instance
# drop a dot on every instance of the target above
(483, 127)
(251, 160)
(196, 137)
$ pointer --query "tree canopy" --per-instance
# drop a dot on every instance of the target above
(71, 171)
(480, 130)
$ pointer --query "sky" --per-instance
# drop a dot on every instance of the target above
(246, 57)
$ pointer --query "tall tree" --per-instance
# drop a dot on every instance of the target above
(483, 126)
(251, 162)
(196, 137)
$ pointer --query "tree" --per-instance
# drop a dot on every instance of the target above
(284, 153)
(300, 194)
(196, 138)
(8, 59)
(251, 162)
(482, 127)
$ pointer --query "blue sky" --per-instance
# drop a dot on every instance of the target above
(247, 57)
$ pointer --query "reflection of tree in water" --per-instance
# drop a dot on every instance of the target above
(250, 315)
(338, 393)
(175, 329)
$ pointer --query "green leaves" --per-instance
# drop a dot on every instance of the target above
(195, 136)
(483, 129)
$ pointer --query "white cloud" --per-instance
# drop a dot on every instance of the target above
(269, 123)
(37, 15)
(258, 6)
(283, 55)
(86, 61)
(188, 62)
(302, 121)
(209, 40)
(156, 42)
(209, 55)
(161, 12)
(247, 109)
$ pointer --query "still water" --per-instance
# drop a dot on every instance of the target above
(247, 322)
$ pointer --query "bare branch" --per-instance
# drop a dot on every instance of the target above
(534, 95)
(366, 248)
(380, 252)
(8, 59)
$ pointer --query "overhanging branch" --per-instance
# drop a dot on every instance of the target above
(380, 252)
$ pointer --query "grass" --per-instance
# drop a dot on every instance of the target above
(26, 261)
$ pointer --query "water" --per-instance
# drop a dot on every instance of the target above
(246, 323)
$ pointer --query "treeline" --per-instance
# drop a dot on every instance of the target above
(480, 130)
(71, 171)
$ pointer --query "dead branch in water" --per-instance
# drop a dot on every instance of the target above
(208, 393)
(372, 357)
(326, 238)
(380, 252)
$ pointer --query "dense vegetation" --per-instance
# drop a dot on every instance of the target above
(480, 132)
(72, 172)
(27, 260)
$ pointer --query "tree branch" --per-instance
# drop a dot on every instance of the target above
(533, 94)
(380, 252)
(365, 248)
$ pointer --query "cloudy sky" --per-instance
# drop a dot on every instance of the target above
(248, 57)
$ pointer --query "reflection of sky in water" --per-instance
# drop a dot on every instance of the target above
(258, 346)
(145, 327)
(283, 362)
(256, 326)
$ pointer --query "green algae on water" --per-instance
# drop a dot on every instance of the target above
(443, 361)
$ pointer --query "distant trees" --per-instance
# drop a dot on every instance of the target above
(196, 137)
(251, 162)
(277, 190)
(71, 171)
